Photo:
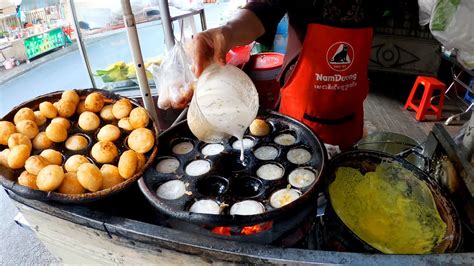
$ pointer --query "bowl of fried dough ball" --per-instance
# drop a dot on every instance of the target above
(75, 145)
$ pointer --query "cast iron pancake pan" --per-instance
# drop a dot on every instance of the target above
(229, 181)
(366, 161)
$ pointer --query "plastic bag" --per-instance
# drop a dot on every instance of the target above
(174, 79)
(452, 24)
(425, 10)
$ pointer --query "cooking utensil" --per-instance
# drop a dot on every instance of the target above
(8, 176)
(365, 161)
(232, 181)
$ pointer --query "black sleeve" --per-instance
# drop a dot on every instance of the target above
(270, 13)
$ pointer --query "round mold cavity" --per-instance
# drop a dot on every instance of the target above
(171, 190)
(205, 206)
(212, 186)
(266, 152)
(286, 138)
(198, 167)
(167, 165)
(284, 197)
(270, 171)
(247, 187)
(88, 139)
(260, 129)
(298, 155)
(212, 149)
(232, 163)
(248, 141)
(182, 146)
(125, 142)
(302, 177)
(247, 207)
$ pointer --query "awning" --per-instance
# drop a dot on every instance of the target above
(27, 5)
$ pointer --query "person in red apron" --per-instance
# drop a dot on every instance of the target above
(328, 51)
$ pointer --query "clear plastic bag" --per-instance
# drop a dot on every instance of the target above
(452, 24)
(174, 79)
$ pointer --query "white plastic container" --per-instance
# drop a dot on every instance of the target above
(224, 104)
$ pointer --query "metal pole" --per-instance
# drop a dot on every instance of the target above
(166, 23)
(80, 43)
(202, 16)
(137, 57)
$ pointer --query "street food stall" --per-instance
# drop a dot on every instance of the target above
(100, 176)
(34, 29)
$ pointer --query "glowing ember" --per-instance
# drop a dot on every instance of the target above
(221, 230)
(246, 230)
(250, 230)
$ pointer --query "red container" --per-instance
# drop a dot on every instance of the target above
(239, 55)
(263, 70)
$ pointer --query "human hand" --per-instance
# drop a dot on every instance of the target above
(209, 47)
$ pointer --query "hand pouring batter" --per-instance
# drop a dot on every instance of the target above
(224, 104)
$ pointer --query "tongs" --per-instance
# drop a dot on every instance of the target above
(424, 150)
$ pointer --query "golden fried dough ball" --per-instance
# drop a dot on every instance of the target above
(70, 95)
(104, 151)
(6, 129)
(259, 128)
(18, 156)
(81, 107)
(94, 102)
(53, 156)
(89, 121)
(39, 118)
(71, 185)
(73, 162)
(50, 178)
(28, 180)
(16, 139)
(4, 157)
(128, 163)
(90, 177)
(56, 132)
(41, 141)
(106, 113)
(66, 108)
(64, 122)
(121, 108)
(48, 110)
(124, 123)
(141, 140)
(139, 117)
(28, 128)
(108, 133)
(141, 161)
(35, 163)
(24, 113)
(76, 143)
(110, 176)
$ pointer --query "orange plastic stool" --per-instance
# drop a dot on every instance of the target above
(424, 106)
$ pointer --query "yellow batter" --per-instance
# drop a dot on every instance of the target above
(390, 209)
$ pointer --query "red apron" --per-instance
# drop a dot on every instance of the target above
(329, 84)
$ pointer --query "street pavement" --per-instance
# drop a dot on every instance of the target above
(67, 71)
